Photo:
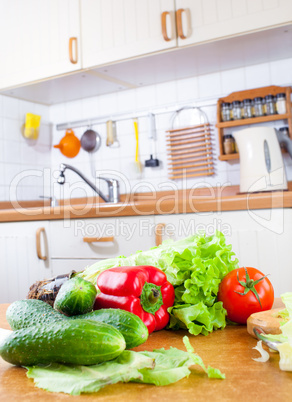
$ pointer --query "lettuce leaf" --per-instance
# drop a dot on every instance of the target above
(198, 318)
(285, 347)
(77, 379)
(160, 367)
(173, 364)
(195, 266)
(211, 372)
(170, 366)
(287, 300)
(286, 315)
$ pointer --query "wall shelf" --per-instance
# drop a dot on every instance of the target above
(254, 120)
(251, 94)
(229, 157)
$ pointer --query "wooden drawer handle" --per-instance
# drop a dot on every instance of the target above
(73, 60)
(38, 243)
(179, 23)
(163, 26)
(158, 233)
(97, 239)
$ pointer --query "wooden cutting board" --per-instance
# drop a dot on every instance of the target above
(219, 349)
(267, 320)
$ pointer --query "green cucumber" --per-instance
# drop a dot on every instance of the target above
(130, 325)
(27, 313)
(81, 342)
(76, 296)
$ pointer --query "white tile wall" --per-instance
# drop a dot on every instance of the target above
(281, 71)
(258, 75)
(22, 156)
(40, 160)
(233, 79)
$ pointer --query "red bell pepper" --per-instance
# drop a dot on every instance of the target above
(142, 290)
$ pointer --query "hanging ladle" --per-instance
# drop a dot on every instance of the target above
(90, 142)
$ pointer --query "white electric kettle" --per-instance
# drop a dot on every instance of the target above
(261, 161)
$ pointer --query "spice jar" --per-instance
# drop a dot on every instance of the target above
(281, 103)
(247, 109)
(236, 110)
(225, 111)
(270, 105)
(228, 144)
(258, 107)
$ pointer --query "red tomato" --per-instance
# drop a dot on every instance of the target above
(245, 291)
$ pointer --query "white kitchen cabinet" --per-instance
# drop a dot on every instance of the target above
(115, 30)
(105, 238)
(20, 265)
(205, 20)
(259, 238)
(42, 39)
(39, 39)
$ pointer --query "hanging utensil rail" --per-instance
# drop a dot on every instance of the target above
(128, 116)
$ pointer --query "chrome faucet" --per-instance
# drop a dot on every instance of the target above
(53, 200)
(113, 184)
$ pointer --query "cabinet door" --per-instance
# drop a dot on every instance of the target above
(204, 20)
(260, 239)
(37, 37)
(115, 30)
(20, 266)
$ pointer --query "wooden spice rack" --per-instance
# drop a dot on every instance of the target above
(251, 94)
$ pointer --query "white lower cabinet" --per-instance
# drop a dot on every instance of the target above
(78, 243)
(20, 265)
(259, 238)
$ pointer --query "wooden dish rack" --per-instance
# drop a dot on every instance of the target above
(189, 151)
(251, 94)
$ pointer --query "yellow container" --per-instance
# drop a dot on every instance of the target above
(31, 127)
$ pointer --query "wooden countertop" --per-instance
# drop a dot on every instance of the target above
(206, 199)
(230, 350)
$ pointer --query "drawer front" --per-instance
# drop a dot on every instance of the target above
(105, 238)
(62, 266)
